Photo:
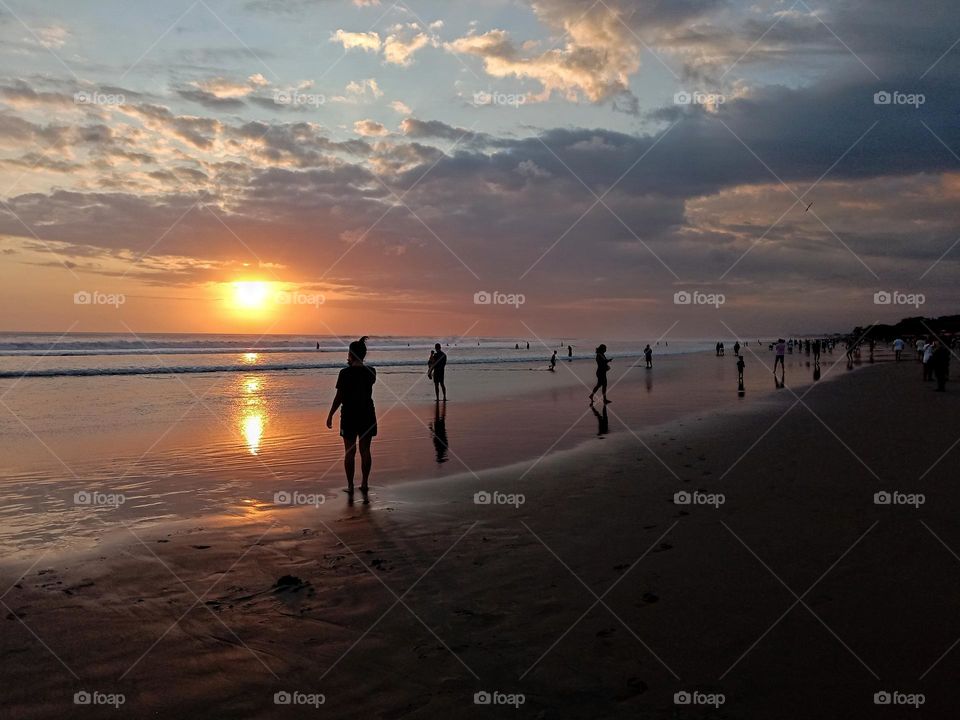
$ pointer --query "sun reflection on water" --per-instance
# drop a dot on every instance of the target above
(253, 416)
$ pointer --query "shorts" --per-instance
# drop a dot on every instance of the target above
(438, 377)
(361, 427)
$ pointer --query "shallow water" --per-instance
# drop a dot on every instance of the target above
(177, 446)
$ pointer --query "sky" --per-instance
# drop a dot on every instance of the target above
(535, 168)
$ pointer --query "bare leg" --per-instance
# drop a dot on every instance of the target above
(349, 460)
(595, 388)
(366, 462)
(444, 387)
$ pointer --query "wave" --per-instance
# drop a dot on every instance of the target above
(277, 367)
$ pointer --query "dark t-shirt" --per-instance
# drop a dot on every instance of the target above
(439, 363)
(355, 384)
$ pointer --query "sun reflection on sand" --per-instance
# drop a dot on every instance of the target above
(253, 417)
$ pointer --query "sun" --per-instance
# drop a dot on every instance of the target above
(251, 294)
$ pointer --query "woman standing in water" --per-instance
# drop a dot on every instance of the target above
(358, 418)
(602, 366)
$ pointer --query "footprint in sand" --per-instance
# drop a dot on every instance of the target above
(664, 546)
(649, 597)
(200, 547)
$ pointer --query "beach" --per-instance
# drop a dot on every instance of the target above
(581, 589)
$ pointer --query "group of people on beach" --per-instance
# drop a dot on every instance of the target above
(358, 419)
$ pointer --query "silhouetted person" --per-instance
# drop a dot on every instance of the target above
(897, 348)
(318, 346)
(736, 348)
(570, 351)
(438, 363)
(553, 361)
(438, 432)
(740, 365)
(816, 352)
(780, 348)
(358, 418)
(516, 346)
(648, 356)
(602, 366)
(528, 346)
(941, 365)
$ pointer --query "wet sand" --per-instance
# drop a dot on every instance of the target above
(408, 606)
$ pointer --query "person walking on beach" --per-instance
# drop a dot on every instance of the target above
(358, 417)
(740, 365)
(941, 365)
(780, 350)
(736, 348)
(928, 351)
(648, 356)
(602, 366)
(570, 351)
(553, 361)
(438, 363)
(816, 351)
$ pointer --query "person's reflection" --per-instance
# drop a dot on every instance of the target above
(438, 432)
(603, 424)
(816, 370)
(649, 382)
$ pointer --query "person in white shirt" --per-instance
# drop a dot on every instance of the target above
(928, 349)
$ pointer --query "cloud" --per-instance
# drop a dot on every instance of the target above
(369, 41)
(369, 128)
(400, 107)
(400, 46)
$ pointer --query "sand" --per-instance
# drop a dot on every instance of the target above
(598, 596)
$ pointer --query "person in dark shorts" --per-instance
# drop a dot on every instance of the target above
(358, 417)
(602, 366)
(438, 364)
(648, 356)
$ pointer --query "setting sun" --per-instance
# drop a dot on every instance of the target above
(251, 294)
